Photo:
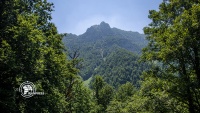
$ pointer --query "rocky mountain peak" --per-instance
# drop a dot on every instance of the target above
(104, 25)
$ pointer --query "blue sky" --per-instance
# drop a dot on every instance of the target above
(75, 16)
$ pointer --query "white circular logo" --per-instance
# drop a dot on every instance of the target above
(27, 89)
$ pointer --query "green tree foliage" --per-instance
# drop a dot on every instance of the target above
(153, 96)
(125, 91)
(31, 50)
(80, 99)
(121, 98)
(103, 94)
(106, 94)
(174, 43)
(121, 66)
(7, 55)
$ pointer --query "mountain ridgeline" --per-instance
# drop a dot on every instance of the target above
(109, 52)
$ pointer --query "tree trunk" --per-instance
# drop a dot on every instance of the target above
(196, 65)
(190, 101)
(186, 79)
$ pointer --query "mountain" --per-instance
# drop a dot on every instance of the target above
(121, 66)
(100, 44)
(132, 41)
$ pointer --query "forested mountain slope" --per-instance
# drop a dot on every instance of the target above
(101, 45)
(121, 66)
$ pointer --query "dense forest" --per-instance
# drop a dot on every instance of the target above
(104, 70)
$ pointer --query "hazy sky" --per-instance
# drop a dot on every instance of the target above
(75, 16)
